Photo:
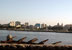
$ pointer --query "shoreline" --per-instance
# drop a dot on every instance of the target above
(36, 31)
(7, 46)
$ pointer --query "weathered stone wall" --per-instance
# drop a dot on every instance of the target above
(34, 47)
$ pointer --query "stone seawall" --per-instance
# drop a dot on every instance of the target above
(34, 47)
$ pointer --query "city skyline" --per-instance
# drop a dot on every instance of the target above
(49, 12)
(27, 23)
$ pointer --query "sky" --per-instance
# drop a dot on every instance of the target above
(36, 11)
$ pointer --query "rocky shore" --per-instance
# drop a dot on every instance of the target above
(34, 47)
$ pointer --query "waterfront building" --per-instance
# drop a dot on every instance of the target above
(18, 26)
(17, 23)
(26, 24)
(43, 25)
(5, 25)
(67, 26)
(31, 27)
(58, 24)
(12, 23)
(37, 25)
(62, 24)
(22, 25)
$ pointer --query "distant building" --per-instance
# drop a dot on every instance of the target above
(22, 25)
(43, 25)
(31, 27)
(58, 24)
(5, 25)
(62, 24)
(18, 26)
(17, 23)
(12, 23)
(67, 26)
(26, 24)
(37, 25)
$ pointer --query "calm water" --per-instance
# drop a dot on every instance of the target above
(66, 38)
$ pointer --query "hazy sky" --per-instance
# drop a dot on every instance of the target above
(36, 11)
